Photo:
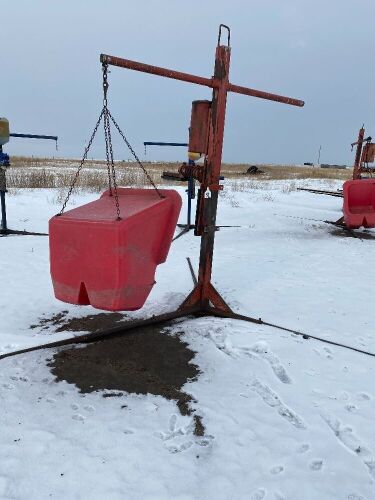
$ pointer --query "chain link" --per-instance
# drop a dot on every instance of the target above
(108, 143)
(106, 123)
(81, 163)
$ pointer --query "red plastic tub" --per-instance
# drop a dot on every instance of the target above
(359, 203)
(108, 263)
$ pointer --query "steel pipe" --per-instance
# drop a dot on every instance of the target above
(198, 80)
(265, 95)
(156, 70)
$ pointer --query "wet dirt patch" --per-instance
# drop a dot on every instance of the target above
(146, 361)
(90, 323)
(350, 233)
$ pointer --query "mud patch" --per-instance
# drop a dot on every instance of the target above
(90, 323)
(146, 361)
(350, 233)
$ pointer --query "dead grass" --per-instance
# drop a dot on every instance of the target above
(58, 173)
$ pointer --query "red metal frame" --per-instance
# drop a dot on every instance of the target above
(358, 154)
(204, 292)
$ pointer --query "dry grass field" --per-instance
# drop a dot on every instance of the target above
(58, 173)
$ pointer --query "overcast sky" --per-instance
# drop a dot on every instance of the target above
(318, 51)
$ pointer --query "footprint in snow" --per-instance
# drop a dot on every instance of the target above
(303, 448)
(328, 353)
(78, 417)
(273, 400)
(74, 406)
(316, 465)
(279, 496)
(8, 386)
(181, 438)
(344, 396)
(277, 469)
(17, 377)
(172, 423)
(351, 408)
(175, 448)
(354, 496)
(89, 408)
(363, 396)
(263, 350)
(259, 494)
(346, 436)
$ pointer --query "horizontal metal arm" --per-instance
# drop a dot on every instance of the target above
(199, 80)
(149, 143)
(34, 136)
(155, 70)
(265, 95)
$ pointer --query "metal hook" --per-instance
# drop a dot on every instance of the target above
(219, 37)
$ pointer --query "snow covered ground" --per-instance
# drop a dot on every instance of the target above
(286, 418)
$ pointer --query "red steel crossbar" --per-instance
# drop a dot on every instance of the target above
(199, 80)
(204, 292)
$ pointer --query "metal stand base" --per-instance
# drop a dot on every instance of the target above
(14, 232)
(185, 229)
(130, 326)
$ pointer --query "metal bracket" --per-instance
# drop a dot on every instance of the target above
(219, 37)
(215, 187)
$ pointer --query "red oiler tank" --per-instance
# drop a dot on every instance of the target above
(359, 203)
(108, 263)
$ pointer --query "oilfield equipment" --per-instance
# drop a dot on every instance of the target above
(4, 164)
(130, 208)
(358, 193)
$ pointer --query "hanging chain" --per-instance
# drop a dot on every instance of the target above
(82, 162)
(108, 142)
(135, 155)
(107, 118)
(105, 122)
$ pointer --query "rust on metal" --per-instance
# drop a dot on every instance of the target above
(368, 153)
(199, 126)
(357, 160)
(265, 95)
(195, 171)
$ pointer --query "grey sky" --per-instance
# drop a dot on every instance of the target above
(319, 51)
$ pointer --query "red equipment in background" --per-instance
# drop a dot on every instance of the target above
(359, 193)
(359, 203)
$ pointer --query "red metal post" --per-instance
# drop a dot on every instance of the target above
(204, 292)
(357, 161)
